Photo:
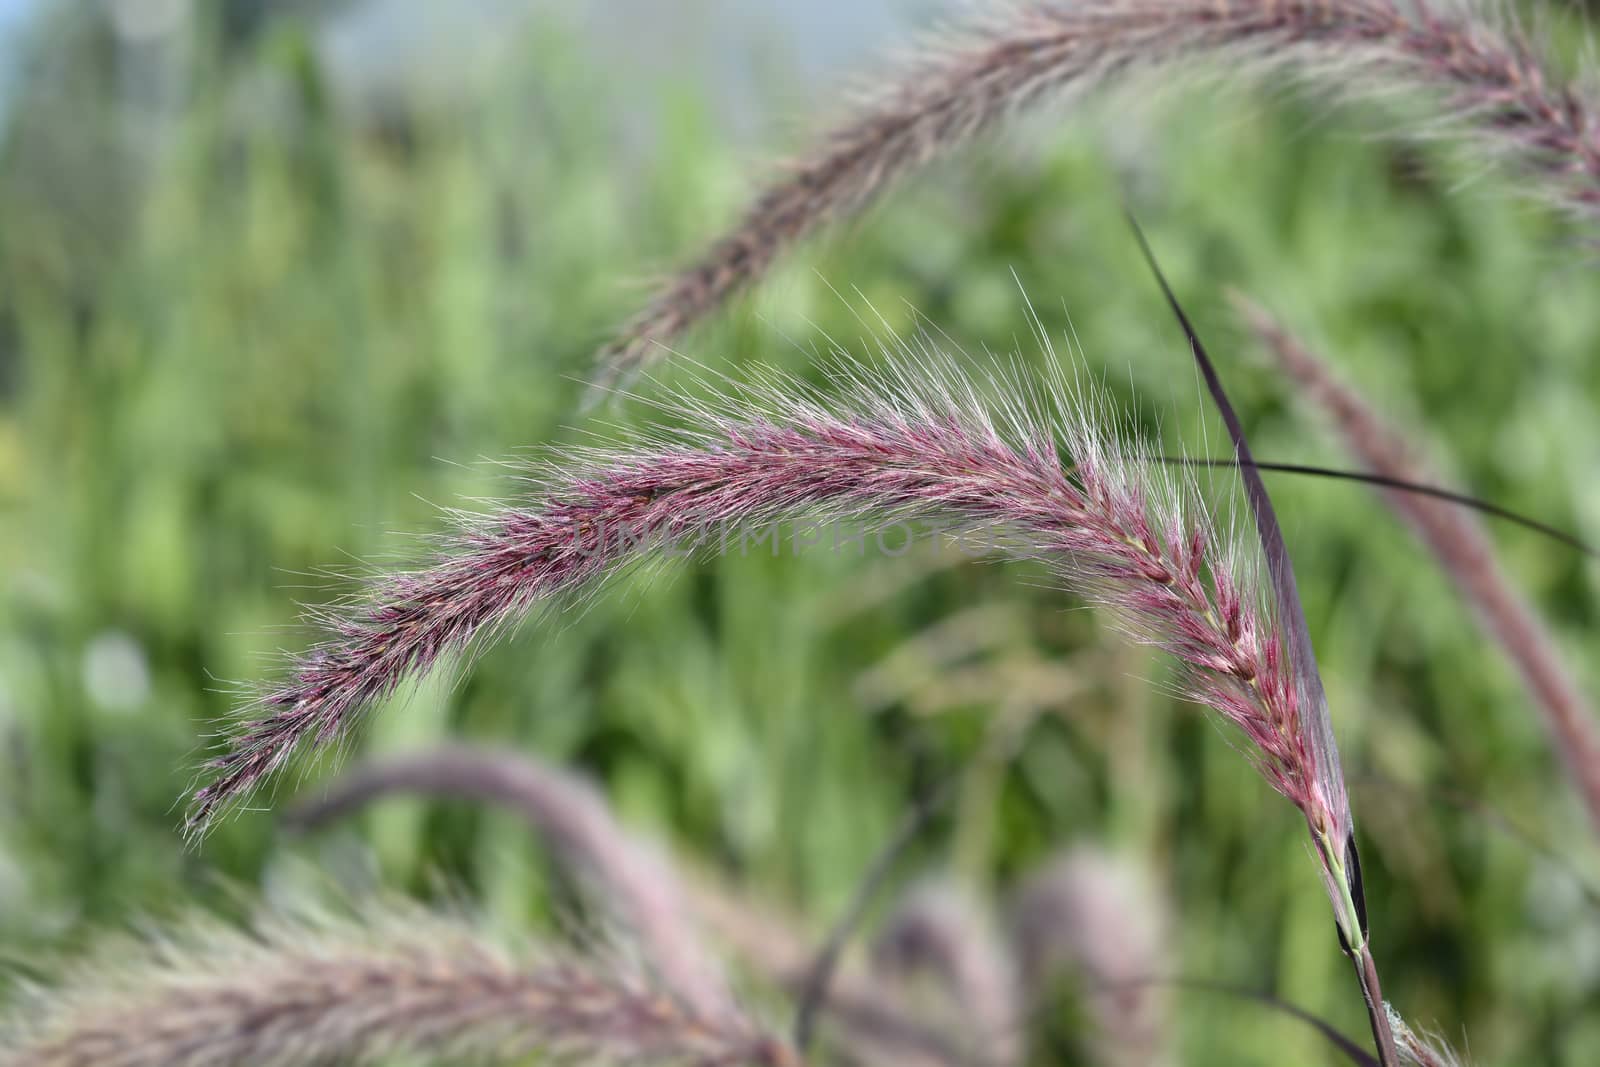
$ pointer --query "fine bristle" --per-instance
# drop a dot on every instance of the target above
(1418, 1050)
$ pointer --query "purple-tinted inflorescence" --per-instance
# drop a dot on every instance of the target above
(1492, 83)
(918, 444)
(311, 988)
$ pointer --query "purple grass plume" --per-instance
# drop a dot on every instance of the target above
(869, 1021)
(1043, 481)
(1084, 912)
(675, 916)
(1096, 916)
(317, 990)
(1492, 83)
(1461, 546)
(941, 930)
(629, 875)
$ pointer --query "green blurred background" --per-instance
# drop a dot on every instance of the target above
(278, 281)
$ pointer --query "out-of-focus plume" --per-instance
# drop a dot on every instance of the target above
(870, 1022)
(1095, 917)
(318, 990)
(629, 875)
(1490, 82)
(1461, 547)
(941, 931)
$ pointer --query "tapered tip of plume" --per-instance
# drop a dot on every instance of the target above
(1327, 810)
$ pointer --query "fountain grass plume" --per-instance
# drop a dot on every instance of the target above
(872, 1021)
(631, 877)
(316, 989)
(1035, 469)
(667, 911)
(1491, 82)
(1095, 915)
(1461, 546)
(942, 930)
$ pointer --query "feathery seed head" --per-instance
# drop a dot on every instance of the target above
(320, 990)
(1488, 78)
(939, 929)
(635, 882)
(1096, 914)
(915, 442)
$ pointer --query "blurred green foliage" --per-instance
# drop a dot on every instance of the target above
(280, 336)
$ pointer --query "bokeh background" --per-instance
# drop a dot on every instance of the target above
(278, 281)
